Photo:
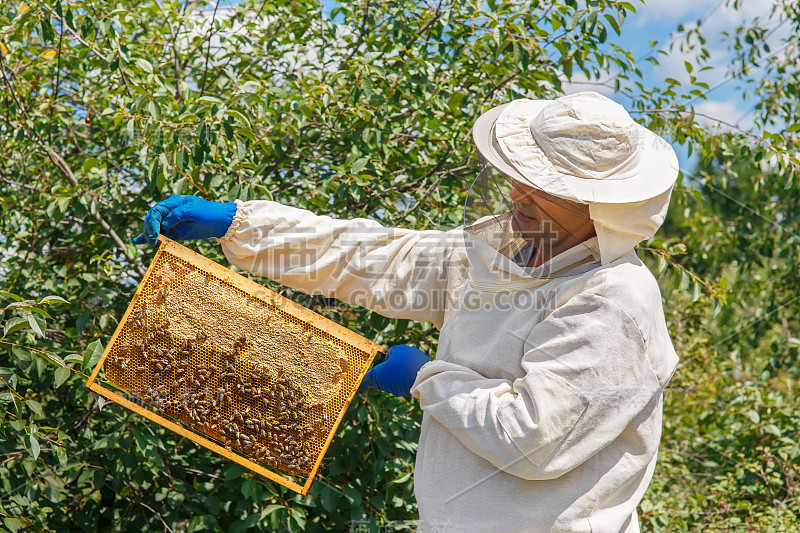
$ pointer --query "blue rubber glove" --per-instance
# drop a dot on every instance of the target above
(396, 374)
(186, 217)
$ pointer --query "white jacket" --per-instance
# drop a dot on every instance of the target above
(542, 410)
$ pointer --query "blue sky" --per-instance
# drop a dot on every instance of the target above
(658, 20)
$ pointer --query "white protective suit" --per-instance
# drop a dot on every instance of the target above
(542, 410)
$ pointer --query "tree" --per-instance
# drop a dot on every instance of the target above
(107, 107)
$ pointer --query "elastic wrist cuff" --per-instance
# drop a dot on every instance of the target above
(238, 218)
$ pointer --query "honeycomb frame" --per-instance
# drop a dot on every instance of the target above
(208, 381)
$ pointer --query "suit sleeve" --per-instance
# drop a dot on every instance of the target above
(396, 272)
(586, 377)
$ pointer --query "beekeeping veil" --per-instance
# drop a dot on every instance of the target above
(584, 148)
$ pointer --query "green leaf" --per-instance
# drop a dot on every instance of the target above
(34, 406)
(297, 514)
(358, 165)
(37, 324)
(201, 523)
(90, 163)
(329, 498)
(60, 376)
(41, 312)
(11, 295)
(154, 109)
(402, 479)
(576, 17)
(35, 448)
(80, 322)
(613, 21)
(60, 453)
(521, 55)
(211, 99)
(697, 291)
(23, 354)
(248, 488)
(240, 526)
(144, 65)
(566, 67)
(685, 280)
(269, 509)
(92, 354)
(602, 33)
(13, 524)
(14, 324)
(366, 86)
(53, 299)
(141, 441)
(70, 19)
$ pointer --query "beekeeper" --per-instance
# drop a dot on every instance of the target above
(542, 408)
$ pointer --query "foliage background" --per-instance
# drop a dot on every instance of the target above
(106, 107)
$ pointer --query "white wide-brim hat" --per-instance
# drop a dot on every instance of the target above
(582, 147)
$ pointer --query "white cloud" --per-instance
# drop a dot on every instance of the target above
(670, 9)
(717, 13)
(718, 16)
(724, 113)
(581, 83)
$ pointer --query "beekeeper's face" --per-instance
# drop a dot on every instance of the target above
(548, 222)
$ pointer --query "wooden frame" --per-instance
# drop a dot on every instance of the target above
(254, 290)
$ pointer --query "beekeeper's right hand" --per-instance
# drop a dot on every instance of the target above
(186, 217)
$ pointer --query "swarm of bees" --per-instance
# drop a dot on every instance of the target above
(249, 407)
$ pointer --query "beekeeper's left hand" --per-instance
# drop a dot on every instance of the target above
(396, 374)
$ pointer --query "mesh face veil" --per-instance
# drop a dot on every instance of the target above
(519, 222)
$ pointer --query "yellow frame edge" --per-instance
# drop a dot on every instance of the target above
(257, 291)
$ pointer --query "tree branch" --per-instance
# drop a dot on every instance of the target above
(62, 165)
(175, 55)
(360, 39)
(67, 171)
(208, 49)
(57, 84)
(78, 37)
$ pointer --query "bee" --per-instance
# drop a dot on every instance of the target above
(161, 296)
